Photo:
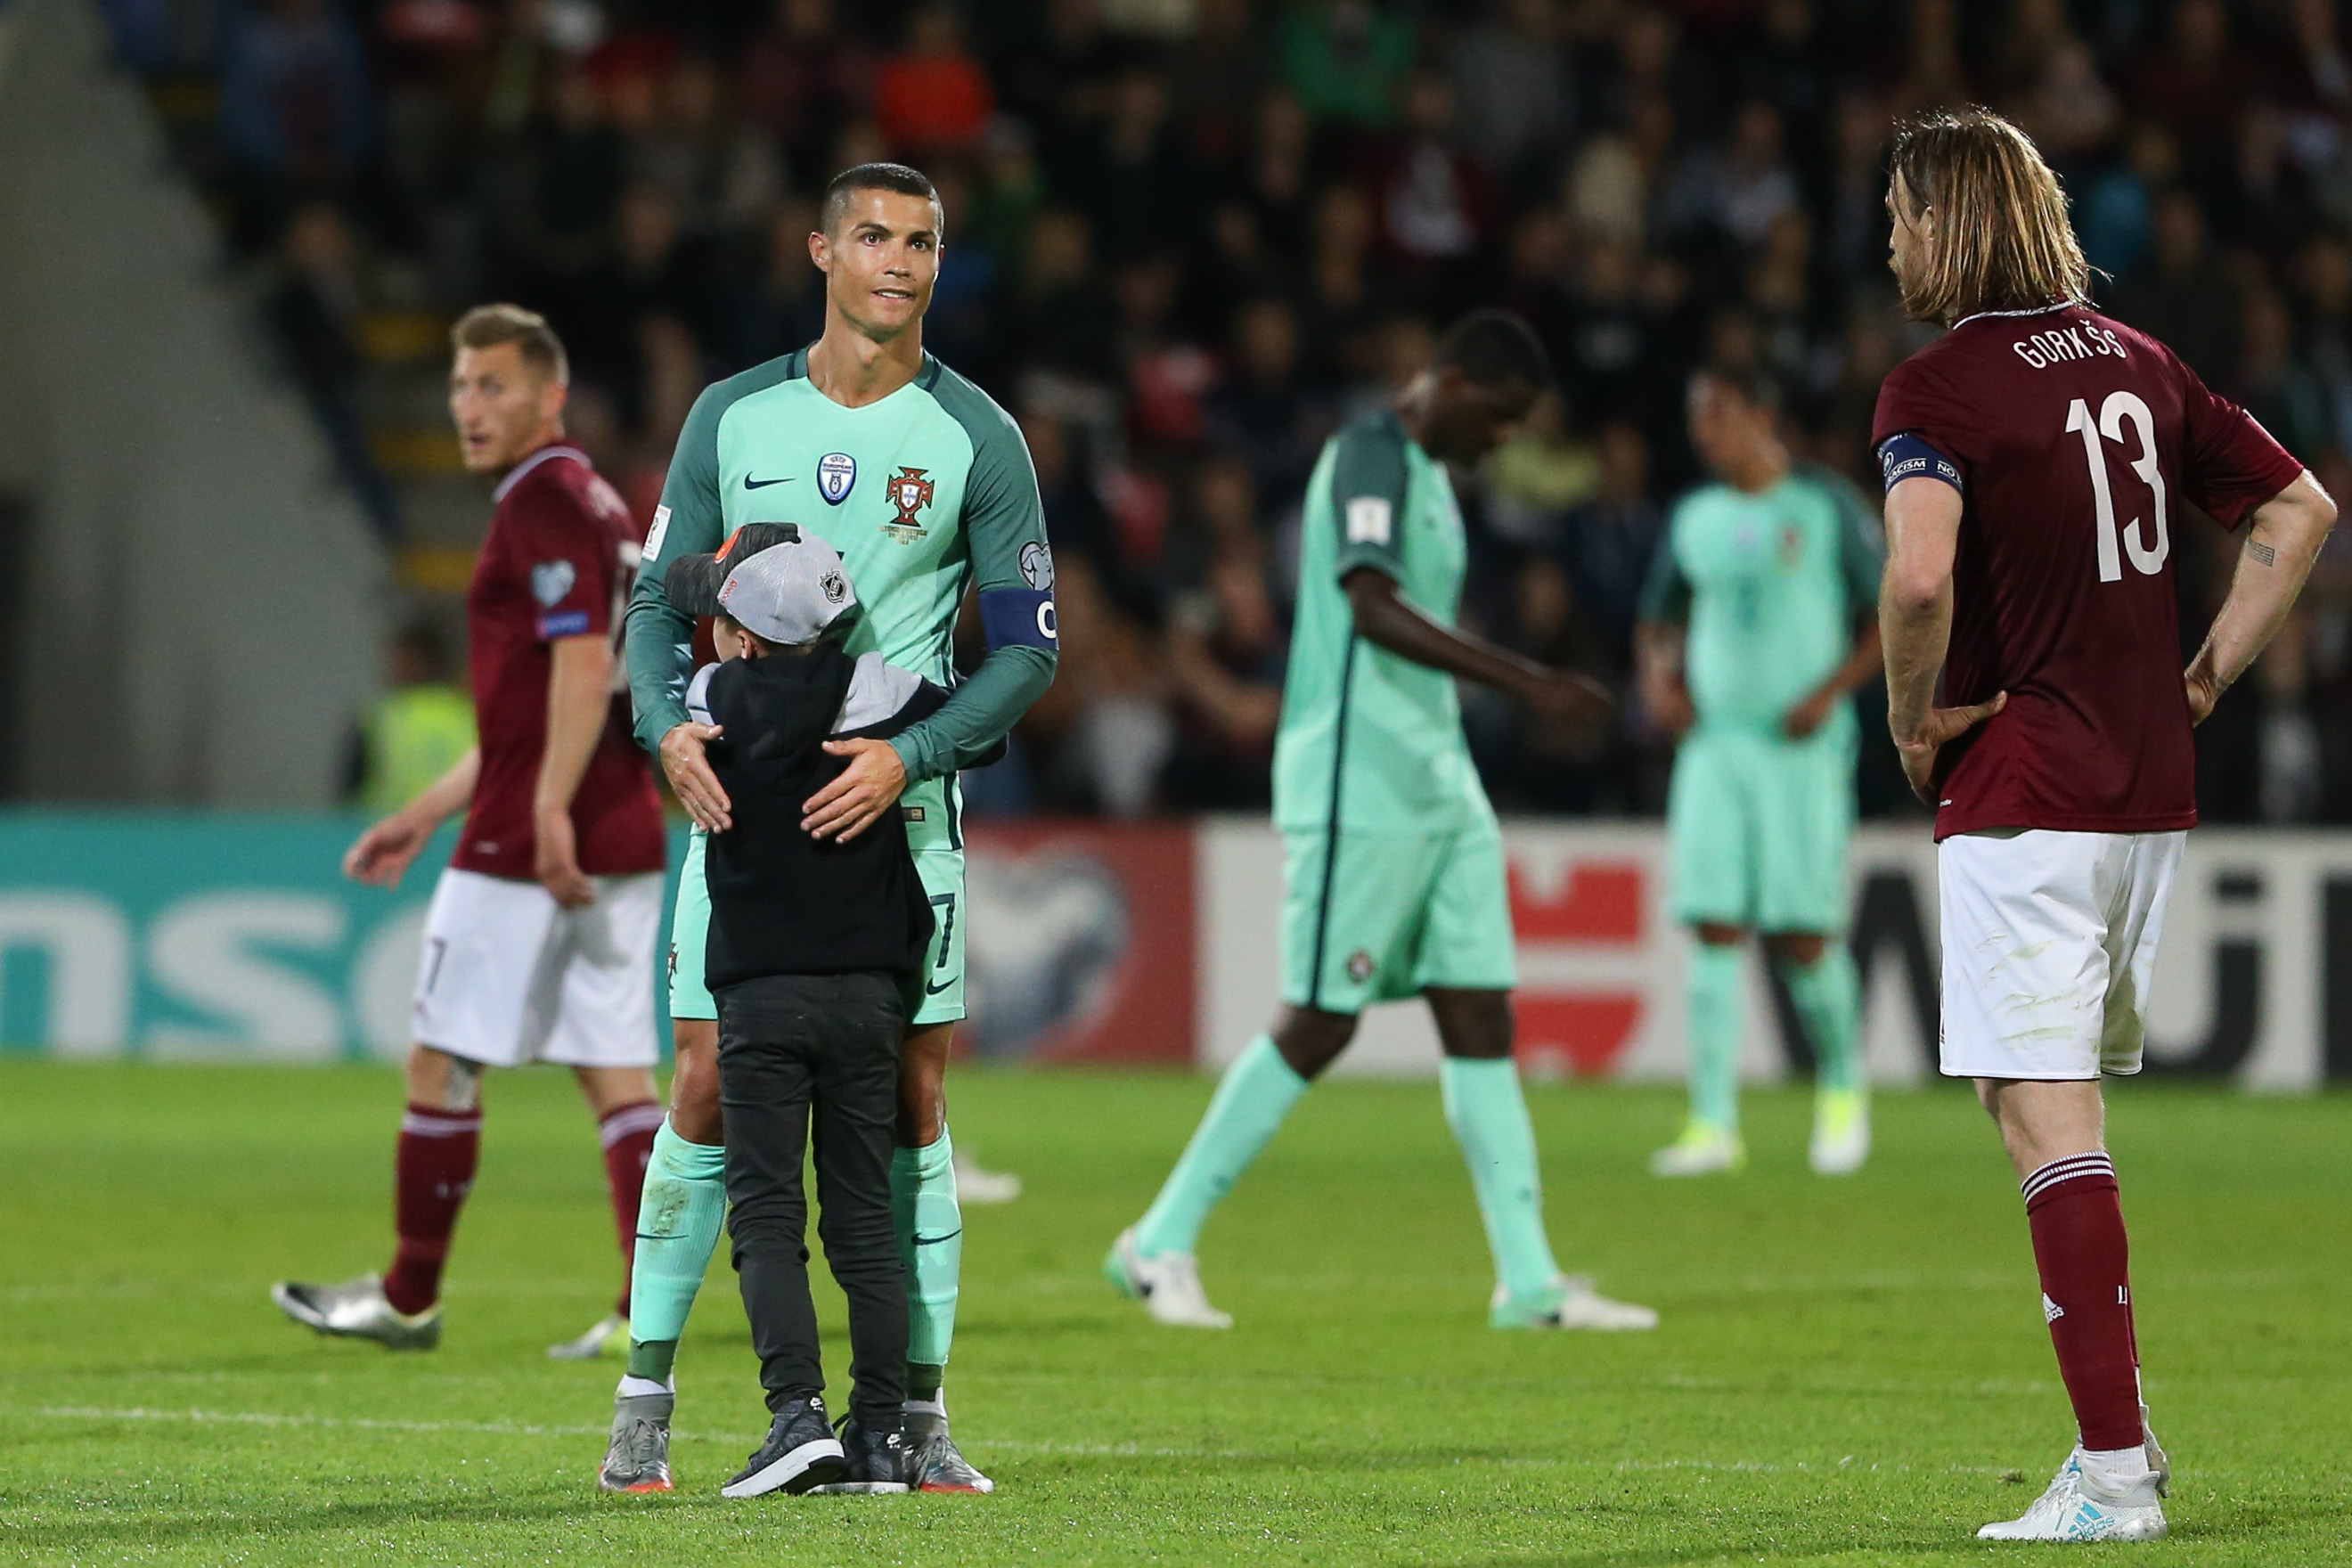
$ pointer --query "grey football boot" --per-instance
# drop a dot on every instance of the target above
(938, 1466)
(638, 1458)
(358, 1309)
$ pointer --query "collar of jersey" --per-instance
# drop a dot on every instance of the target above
(2037, 310)
(514, 474)
(923, 378)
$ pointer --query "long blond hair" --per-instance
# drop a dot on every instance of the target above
(2002, 241)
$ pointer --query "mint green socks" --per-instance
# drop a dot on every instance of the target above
(1488, 1115)
(683, 1209)
(1256, 1092)
(1828, 994)
(930, 1240)
(1714, 1029)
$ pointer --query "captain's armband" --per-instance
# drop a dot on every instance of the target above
(1906, 456)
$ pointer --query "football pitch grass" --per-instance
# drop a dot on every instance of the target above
(1849, 1371)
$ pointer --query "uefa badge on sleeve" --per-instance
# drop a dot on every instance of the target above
(550, 580)
(836, 473)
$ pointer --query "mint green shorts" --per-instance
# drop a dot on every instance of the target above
(1758, 828)
(934, 813)
(1394, 914)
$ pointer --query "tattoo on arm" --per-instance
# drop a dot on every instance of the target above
(2263, 554)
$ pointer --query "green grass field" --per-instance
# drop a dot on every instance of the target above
(1848, 1372)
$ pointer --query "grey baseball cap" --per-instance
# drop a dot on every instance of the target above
(784, 586)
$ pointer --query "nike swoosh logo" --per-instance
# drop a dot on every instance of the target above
(935, 990)
(751, 484)
(922, 1240)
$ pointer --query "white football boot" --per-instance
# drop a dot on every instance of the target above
(1703, 1150)
(1168, 1286)
(2077, 1507)
(1841, 1139)
(977, 1185)
(358, 1309)
(609, 1336)
(1569, 1301)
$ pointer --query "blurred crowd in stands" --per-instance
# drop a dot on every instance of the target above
(1186, 238)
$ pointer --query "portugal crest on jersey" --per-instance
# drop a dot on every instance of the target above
(911, 492)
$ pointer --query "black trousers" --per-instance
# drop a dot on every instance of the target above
(827, 1043)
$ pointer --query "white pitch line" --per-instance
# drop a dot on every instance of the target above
(513, 1429)
(265, 1418)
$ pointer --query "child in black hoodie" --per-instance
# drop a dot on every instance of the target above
(811, 947)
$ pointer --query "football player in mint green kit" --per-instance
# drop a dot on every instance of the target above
(1758, 620)
(924, 486)
(1392, 857)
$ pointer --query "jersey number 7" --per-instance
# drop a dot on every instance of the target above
(2119, 407)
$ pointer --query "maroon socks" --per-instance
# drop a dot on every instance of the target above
(432, 1171)
(629, 1138)
(2078, 1241)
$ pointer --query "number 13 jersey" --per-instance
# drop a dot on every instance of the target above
(2074, 442)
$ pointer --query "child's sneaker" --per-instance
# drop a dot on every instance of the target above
(871, 1461)
(800, 1453)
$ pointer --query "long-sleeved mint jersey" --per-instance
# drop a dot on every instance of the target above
(1770, 587)
(922, 493)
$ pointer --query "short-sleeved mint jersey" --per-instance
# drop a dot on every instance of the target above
(1370, 741)
(922, 493)
(1770, 585)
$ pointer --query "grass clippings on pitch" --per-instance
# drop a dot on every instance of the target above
(1850, 1371)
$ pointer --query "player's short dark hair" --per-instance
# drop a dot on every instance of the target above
(1752, 385)
(488, 326)
(1494, 349)
(896, 177)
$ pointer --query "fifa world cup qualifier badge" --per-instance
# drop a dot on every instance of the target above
(911, 492)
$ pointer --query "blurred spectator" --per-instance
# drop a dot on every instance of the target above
(417, 729)
(2117, 218)
(1065, 315)
(2193, 84)
(293, 106)
(1735, 192)
(566, 181)
(1534, 479)
(800, 77)
(719, 173)
(779, 305)
(653, 269)
(1605, 544)
(1436, 204)
(2182, 294)
(1134, 175)
(1227, 646)
(1265, 414)
(932, 96)
(1345, 59)
(1511, 79)
(315, 307)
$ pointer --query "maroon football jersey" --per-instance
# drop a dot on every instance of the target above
(558, 561)
(2074, 442)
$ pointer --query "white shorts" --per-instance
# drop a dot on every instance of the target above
(509, 977)
(2048, 949)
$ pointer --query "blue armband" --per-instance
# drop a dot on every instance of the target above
(570, 623)
(1020, 616)
(1906, 456)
